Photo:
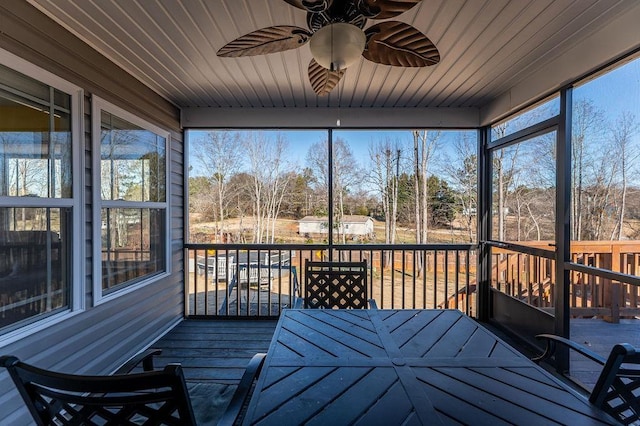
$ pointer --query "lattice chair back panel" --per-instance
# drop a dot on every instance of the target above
(150, 398)
(336, 285)
(617, 390)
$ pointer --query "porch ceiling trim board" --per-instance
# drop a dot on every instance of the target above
(399, 118)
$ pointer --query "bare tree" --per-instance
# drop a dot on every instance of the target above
(317, 161)
(586, 124)
(622, 133)
(384, 175)
(462, 171)
(532, 186)
(29, 177)
(240, 190)
(424, 145)
(346, 175)
(271, 176)
(505, 169)
(218, 156)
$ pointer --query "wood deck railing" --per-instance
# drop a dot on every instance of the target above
(603, 282)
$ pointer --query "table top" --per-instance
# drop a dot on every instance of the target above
(404, 367)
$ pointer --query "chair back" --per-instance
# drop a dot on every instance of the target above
(330, 285)
(154, 397)
(617, 390)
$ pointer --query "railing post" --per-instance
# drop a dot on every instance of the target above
(186, 282)
(615, 303)
(612, 288)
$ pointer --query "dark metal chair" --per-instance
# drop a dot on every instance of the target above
(330, 285)
(617, 390)
(147, 398)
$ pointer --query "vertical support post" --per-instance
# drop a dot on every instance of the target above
(485, 172)
(563, 227)
(330, 194)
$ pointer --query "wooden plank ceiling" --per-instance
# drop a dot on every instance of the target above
(486, 46)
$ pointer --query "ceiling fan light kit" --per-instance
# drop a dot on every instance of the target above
(337, 46)
(337, 38)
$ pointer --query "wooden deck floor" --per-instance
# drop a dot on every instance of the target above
(213, 355)
(600, 337)
(217, 351)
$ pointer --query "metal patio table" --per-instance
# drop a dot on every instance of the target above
(391, 367)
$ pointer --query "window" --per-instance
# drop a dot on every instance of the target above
(524, 191)
(404, 186)
(272, 186)
(38, 183)
(131, 199)
(537, 113)
(257, 186)
(605, 203)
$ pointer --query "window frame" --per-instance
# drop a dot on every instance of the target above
(78, 249)
(98, 105)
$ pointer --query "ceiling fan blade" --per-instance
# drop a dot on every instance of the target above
(383, 9)
(266, 40)
(311, 5)
(323, 80)
(399, 44)
(296, 3)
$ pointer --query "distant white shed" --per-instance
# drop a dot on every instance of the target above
(355, 225)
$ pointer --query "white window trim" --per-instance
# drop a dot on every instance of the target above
(78, 289)
(97, 106)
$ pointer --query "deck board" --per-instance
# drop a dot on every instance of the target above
(214, 350)
(599, 336)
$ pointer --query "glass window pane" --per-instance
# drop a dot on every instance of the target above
(536, 114)
(133, 162)
(403, 187)
(605, 191)
(524, 191)
(256, 186)
(35, 139)
(606, 157)
(35, 276)
(219, 158)
(133, 245)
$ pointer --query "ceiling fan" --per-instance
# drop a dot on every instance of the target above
(337, 38)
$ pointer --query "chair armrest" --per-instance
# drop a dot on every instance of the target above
(146, 357)
(243, 391)
(552, 341)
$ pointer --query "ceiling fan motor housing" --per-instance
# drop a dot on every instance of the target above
(338, 11)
